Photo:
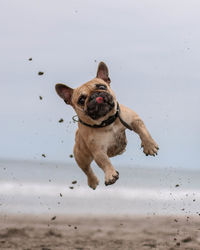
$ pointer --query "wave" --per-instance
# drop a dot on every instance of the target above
(124, 193)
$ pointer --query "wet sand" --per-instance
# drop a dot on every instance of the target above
(89, 233)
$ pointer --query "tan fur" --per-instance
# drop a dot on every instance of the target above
(99, 144)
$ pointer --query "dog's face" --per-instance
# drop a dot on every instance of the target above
(93, 101)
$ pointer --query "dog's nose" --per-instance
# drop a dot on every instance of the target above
(99, 99)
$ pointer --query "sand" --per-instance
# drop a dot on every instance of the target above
(84, 233)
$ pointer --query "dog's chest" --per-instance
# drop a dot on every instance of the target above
(117, 142)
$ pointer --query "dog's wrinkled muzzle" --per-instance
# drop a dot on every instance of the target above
(99, 104)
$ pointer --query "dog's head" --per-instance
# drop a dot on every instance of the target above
(93, 101)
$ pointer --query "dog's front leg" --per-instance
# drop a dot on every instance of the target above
(103, 161)
(150, 147)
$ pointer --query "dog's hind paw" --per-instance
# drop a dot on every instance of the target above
(111, 179)
(93, 182)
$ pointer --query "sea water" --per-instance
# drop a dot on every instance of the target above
(46, 188)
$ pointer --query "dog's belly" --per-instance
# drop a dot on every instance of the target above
(118, 143)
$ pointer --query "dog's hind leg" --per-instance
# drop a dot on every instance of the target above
(83, 159)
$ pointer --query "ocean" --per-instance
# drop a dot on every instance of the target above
(46, 188)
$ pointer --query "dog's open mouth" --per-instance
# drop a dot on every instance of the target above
(99, 104)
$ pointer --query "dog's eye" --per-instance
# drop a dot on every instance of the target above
(101, 86)
(81, 100)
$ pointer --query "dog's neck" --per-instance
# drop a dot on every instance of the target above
(108, 121)
(104, 123)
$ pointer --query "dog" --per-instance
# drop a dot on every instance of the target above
(101, 126)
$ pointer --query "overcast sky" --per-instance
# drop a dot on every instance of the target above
(152, 49)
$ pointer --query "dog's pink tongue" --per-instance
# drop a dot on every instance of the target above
(99, 99)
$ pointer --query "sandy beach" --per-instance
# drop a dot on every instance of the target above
(88, 233)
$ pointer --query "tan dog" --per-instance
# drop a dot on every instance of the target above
(101, 127)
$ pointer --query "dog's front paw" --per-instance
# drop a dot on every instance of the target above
(111, 177)
(93, 182)
(150, 147)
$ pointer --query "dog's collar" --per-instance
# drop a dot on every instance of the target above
(107, 122)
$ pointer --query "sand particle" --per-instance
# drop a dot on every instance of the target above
(187, 239)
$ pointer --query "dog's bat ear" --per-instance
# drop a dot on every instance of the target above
(102, 72)
(64, 92)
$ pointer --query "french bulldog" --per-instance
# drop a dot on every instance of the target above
(101, 126)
